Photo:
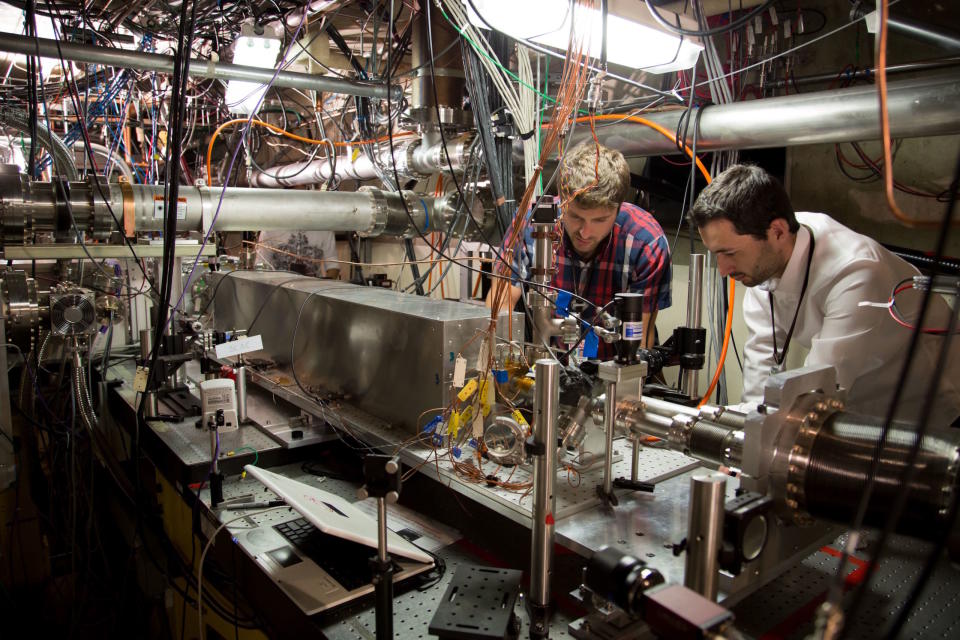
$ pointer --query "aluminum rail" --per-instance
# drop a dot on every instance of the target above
(924, 106)
(126, 59)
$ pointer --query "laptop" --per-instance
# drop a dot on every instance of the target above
(320, 555)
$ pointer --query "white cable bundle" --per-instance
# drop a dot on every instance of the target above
(529, 107)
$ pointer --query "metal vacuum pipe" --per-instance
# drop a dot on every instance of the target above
(918, 107)
(414, 159)
(369, 212)
(126, 59)
(867, 74)
(545, 414)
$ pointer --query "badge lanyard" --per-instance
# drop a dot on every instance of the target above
(779, 357)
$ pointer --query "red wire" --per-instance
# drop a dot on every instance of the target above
(893, 301)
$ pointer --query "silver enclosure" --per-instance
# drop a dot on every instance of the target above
(390, 354)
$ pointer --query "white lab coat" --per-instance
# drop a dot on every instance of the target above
(864, 343)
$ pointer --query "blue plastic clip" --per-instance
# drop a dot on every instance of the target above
(563, 303)
(591, 344)
(501, 376)
(456, 452)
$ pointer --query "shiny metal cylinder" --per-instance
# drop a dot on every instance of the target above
(33, 205)
(923, 106)
(546, 407)
(705, 533)
(241, 373)
(690, 378)
(438, 88)
(635, 459)
(382, 553)
(869, 73)
(414, 159)
(126, 59)
(609, 415)
(720, 415)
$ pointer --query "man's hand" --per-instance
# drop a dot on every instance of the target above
(509, 298)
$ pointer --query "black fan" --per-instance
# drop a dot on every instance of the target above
(73, 313)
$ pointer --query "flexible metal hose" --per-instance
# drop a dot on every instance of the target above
(839, 466)
(61, 154)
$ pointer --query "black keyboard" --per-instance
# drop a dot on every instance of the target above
(346, 561)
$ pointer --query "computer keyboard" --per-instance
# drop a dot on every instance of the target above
(346, 561)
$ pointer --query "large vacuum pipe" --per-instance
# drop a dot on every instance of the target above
(30, 207)
(413, 159)
(918, 107)
(126, 59)
(821, 469)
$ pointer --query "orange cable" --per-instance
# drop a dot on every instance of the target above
(726, 343)
(884, 9)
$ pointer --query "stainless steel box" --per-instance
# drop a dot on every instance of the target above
(392, 354)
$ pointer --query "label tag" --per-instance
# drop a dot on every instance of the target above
(459, 371)
(773, 16)
(453, 424)
(158, 203)
(140, 379)
(758, 24)
(478, 425)
(236, 347)
(787, 31)
(468, 390)
(519, 418)
(482, 357)
(488, 395)
(633, 331)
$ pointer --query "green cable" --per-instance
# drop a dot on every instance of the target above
(546, 87)
(483, 53)
(256, 456)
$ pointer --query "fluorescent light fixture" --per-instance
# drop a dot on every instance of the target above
(251, 51)
(630, 41)
(12, 21)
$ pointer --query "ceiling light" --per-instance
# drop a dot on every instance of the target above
(251, 51)
(632, 39)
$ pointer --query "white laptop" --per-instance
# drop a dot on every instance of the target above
(320, 555)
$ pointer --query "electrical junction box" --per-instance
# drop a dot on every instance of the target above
(216, 395)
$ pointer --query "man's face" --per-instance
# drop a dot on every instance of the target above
(744, 258)
(587, 228)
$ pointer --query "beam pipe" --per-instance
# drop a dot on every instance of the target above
(127, 59)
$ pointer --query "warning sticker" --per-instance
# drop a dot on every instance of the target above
(158, 204)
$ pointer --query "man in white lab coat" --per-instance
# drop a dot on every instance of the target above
(807, 276)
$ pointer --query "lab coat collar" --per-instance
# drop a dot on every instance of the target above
(791, 281)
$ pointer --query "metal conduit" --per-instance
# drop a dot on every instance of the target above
(918, 107)
(413, 159)
(36, 206)
(126, 59)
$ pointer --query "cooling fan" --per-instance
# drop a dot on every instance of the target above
(73, 312)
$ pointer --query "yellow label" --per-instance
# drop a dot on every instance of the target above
(519, 418)
(467, 415)
(467, 390)
(453, 424)
(487, 395)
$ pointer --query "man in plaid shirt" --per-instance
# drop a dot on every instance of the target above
(608, 246)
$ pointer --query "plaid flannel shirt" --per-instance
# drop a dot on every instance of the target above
(634, 258)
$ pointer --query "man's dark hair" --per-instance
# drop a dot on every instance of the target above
(747, 196)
